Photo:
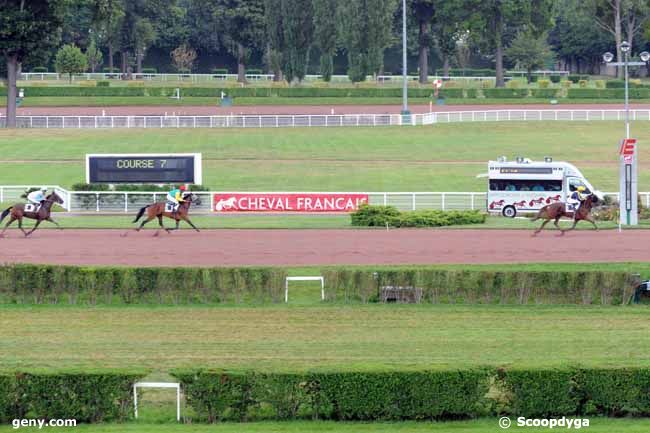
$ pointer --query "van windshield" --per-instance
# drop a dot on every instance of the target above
(575, 182)
(525, 185)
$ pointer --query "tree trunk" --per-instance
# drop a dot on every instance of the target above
(123, 66)
(498, 58)
(12, 75)
(110, 57)
(618, 37)
(138, 60)
(529, 75)
(241, 67)
(424, 54)
(445, 65)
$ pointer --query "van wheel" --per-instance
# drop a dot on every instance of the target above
(509, 212)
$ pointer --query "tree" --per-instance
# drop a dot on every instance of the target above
(107, 19)
(275, 37)
(325, 34)
(529, 51)
(450, 23)
(183, 58)
(365, 31)
(94, 56)
(423, 11)
(242, 27)
(70, 60)
(27, 28)
(298, 28)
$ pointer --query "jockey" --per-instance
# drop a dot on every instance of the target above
(576, 198)
(37, 197)
(176, 196)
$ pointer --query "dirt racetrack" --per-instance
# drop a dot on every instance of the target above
(320, 247)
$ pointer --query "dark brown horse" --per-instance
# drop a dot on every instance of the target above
(157, 210)
(18, 212)
(557, 210)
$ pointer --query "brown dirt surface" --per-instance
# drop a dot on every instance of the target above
(294, 109)
(320, 247)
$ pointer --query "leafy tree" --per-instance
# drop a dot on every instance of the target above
(325, 34)
(27, 29)
(183, 58)
(70, 60)
(365, 29)
(298, 28)
(94, 56)
(450, 22)
(529, 51)
(423, 11)
(242, 27)
(107, 19)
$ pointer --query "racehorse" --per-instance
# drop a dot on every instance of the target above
(157, 210)
(557, 210)
(18, 212)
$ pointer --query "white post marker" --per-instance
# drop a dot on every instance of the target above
(158, 385)
(286, 285)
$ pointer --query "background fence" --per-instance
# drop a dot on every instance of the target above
(321, 120)
(130, 202)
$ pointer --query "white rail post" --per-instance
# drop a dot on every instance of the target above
(385, 199)
(97, 201)
(442, 200)
(413, 202)
(2, 194)
(472, 200)
(126, 202)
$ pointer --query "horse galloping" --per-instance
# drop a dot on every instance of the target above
(157, 210)
(18, 212)
(555, 211)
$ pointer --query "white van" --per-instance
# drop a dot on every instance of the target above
(524, 186)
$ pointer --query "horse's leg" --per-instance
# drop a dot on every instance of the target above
(541, 227)
(556, 223)
(11, 220)
(187, 220)
(160, 222)
(53, 222)
(575, 222)
(38, 222)
(588, 218)
(143, 223)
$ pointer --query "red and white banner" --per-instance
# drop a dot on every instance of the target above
(288, 202)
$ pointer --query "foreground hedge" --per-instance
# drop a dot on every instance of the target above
(382, 216)
(85, 397)
(39, 284)
(445, 286)
(416, 395)
(241, 396)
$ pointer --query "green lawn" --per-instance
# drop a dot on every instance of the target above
(433, 158)
(488, 425)
(298, 337)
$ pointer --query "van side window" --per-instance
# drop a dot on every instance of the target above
(525, 185)
(575, 182)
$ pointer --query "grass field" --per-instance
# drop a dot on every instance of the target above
(313, 337)
(597, 425)
(434, 158)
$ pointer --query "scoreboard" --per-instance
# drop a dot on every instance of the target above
(144, 168)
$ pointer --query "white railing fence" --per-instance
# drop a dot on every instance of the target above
(131, 202)
(320, 120)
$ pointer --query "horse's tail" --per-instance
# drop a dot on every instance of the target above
(140, 213)
(5, 213)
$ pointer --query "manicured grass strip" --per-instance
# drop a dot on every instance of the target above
(322, 338)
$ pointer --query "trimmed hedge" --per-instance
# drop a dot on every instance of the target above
(545, 93)
(363, 396)
(85, 397)
(381, 216)
(444, 286)
(609, 93)
(132, 187)
(42, 284)
(505, 93)
(468, 72)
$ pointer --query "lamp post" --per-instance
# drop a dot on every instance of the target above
(628, 200)
(405, 107)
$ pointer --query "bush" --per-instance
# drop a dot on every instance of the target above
(566, 84)
(583, 84)
(363, 396)
(39, 284)
(505, 93)
(448, 286)
(375, 216)
(555, 78)
(39, 69)
(85, 397)
(132, 187)
(637, 93)
(544, 93)
(103, 83)
(543, 84)
(574, 78)
(541, 393)
(382, 216)
(600, 84)
(149, 71)
(615, 392)
(620, 84)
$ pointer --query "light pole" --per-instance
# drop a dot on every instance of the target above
(628, 200)
(405, 106)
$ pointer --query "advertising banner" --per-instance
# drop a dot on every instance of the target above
(288, 202)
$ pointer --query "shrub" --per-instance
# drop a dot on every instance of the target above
(541, 393)
(573, 78)
(615, 392)
(513, 84)
(505, 93)
(149, 71)
(364, 396)
(375, 216)
(132, 187)
(600, 84)
(544, 93)
(583, 84)
(382, 216)
(39, 69)
(555, 78)
(220, 71)
(566, 84)
(104, 83)
(543, 84)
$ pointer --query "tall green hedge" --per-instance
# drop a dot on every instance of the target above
(85, 397)
(609, 93)
(444, 286)
(26, 283)
(382, 216)
(505, 93)
(220, 395)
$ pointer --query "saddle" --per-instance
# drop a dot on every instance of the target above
(30, 207)
(169, 206)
